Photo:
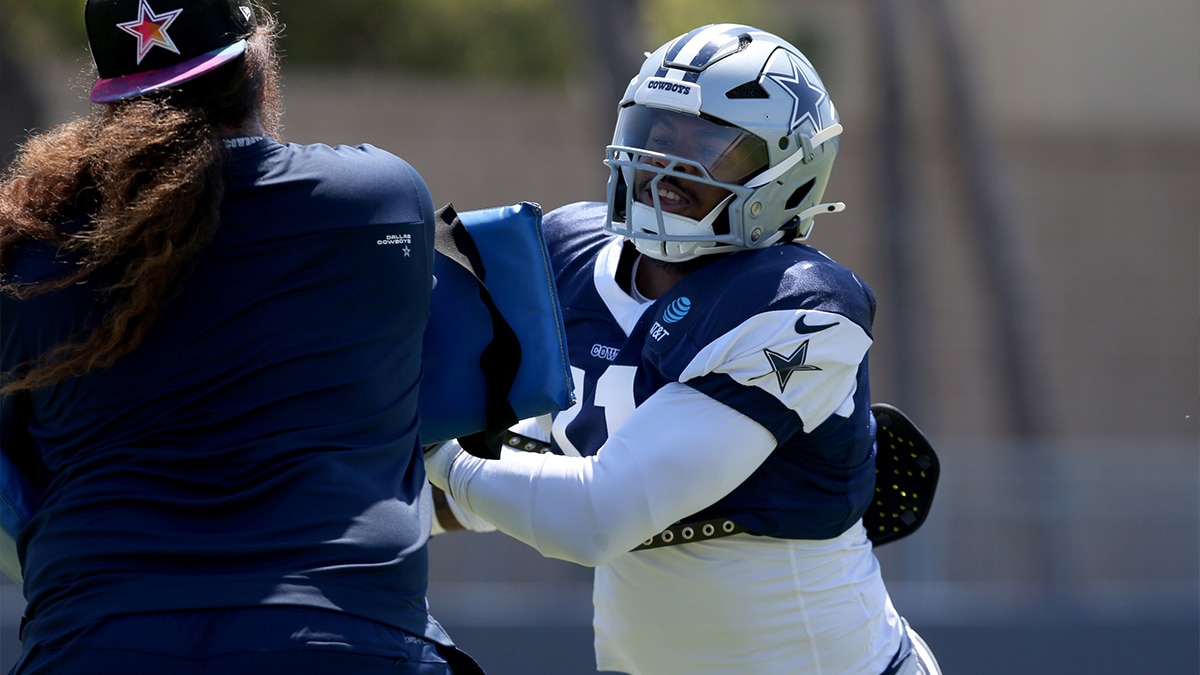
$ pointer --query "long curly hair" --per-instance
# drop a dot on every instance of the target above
(146, 177)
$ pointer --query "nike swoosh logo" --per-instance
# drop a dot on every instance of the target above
(805, 329)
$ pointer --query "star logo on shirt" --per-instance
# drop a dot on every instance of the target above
(783, 366)
(806, 99)
(151, 29)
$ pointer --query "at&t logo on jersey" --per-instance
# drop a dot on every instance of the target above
(673, 313)
(678, 309)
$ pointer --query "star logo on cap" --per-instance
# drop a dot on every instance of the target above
(806, 99)
(151, 29)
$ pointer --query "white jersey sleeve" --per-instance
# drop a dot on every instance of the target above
(807, 359)
(589, 510)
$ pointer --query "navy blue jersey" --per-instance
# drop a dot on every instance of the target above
(780, 334)
(260, 446)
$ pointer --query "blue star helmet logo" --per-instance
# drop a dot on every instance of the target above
(808, 99)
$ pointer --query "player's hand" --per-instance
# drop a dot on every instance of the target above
(439, 459)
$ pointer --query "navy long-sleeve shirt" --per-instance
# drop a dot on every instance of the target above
(261, 445)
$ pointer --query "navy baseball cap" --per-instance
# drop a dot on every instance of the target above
(141, 46)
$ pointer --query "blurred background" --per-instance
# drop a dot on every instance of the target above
(1022, 182)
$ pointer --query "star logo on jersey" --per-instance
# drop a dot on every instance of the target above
(151, 29)
(784, 366)
(787, 72)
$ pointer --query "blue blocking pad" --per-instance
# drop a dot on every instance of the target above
(495, 349)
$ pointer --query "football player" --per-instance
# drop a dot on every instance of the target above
(719, 459)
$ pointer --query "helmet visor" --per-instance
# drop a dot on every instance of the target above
(728, 154)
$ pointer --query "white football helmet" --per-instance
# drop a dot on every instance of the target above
(730, 107)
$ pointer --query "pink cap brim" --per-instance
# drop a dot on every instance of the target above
(126, 86)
